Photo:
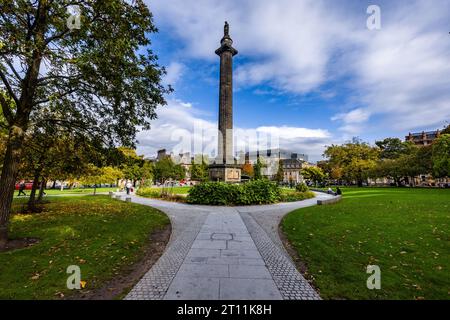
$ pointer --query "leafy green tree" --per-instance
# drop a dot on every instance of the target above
(110, 175)
(55, 152)
(147, 173)
(166, 169)
(199, 172)
(441, 156)
(179, 172)
(354, 159)
(401, 161)
(94, 81)
(279, 176)
(257, 167)
(314, 174)
(391, 168)
(422, 162)
(393, 148)
(96, 176)
(446, 130)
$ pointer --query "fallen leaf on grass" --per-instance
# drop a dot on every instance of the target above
(36, 276)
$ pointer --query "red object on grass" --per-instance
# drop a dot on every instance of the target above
(28, 186)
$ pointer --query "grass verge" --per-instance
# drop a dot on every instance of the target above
(403, 231)
(102, 236)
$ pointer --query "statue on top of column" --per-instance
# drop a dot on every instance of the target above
(226, 29)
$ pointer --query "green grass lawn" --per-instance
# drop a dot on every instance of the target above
(97, 233)
(175, 190)
(406, 232)
(52, 192)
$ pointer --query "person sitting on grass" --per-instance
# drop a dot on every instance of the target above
(338, 191)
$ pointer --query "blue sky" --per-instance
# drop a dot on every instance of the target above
(311, 70)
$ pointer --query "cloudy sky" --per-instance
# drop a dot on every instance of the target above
(308, 70)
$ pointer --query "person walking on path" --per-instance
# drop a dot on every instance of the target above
(128, 187)
(21, 189)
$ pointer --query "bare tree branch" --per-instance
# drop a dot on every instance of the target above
(6, 109)
(8, 87)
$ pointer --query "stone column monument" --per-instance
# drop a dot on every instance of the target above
(224, 167)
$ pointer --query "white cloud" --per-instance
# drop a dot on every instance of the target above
(399, 75)
(403, 74)
(354, 116)
(293, 41)
(294, 133)
(174, 71)
(181, 128)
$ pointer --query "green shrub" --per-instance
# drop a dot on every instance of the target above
(219, 193)
(297, 196)
(161, 193)
(301, 188)
(149, 193)
(212, 193)
(259, 192)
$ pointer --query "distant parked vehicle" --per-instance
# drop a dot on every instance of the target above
(28, 185)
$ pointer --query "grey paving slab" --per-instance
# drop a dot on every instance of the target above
(209, 244)
(222, 236)
(291, 284)
(247, 245)
(251, 262)
(241, 253)
(249, 272)
(204, 253)
(194, 289)
(223, 253)
(203, 270)
(248, 289)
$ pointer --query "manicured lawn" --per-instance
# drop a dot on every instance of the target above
(51, 192)
(99, 234)
(174, 190)
(406, 232)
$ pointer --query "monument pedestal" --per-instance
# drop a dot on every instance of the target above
(229, 173)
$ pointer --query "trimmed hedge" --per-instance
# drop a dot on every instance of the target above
(219, 193)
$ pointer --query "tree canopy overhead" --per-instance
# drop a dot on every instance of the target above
(97, 78)
(102, 76)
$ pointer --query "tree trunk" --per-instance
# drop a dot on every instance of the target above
(54, 184)
(8, 178)
(41, 190)
(32, 199)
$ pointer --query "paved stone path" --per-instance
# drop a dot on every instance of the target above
(224, 253)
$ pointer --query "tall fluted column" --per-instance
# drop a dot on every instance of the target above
(226, 53)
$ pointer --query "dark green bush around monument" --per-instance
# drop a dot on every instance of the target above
(301, 187)
(218, 193)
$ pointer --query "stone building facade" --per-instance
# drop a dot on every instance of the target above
(423, 138)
